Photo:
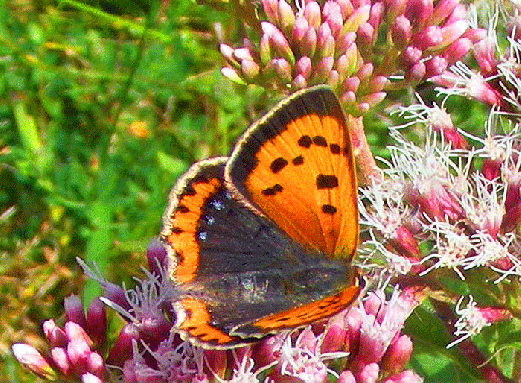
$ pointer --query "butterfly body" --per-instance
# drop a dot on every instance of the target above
(263, 240)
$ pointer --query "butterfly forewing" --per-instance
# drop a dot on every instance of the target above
(295, 165)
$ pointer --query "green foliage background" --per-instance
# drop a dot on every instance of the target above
(102, 107)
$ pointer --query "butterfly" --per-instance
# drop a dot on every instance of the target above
(263, 240)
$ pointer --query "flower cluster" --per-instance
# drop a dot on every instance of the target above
(497, 80)
(361, 48)
(361, 344)
(447, 208)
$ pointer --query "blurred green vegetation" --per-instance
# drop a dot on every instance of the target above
(102, 106)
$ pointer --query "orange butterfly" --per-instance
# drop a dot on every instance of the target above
(263, 240)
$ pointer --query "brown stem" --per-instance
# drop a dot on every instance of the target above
(367, 169)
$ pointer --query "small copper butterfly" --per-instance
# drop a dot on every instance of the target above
(263, 240)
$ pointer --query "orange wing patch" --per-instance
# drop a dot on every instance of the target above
(308, 313)
(183, 215)
(197, 323)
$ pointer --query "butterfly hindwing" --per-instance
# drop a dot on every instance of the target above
(296, 166)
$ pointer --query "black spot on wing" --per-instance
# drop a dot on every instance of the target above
(299, 160)
(335, 148)
(304, 142)
(327, 181)
(277, 188)
(329, 209)
(320, 141)
(181, 209)
(278, 164)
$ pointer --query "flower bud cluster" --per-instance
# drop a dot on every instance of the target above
(74, 349)
(361, 48)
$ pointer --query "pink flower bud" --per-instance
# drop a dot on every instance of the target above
(437, 202)
(32, 360)
(458, 13)
(282, 69)
(122, 347)
(242, 54)
(404, 377)
(154, 330)
(55, 335)
(299, 82)
(416, 72)
(365, 72)
(227, 53)
(322, 69)
(74, 310)
(346, 8)
(357, 18)
(418, 12)
(373, 99)
(271, 9)
(394, 8)
(286, 15)
(325, 41)
(278, 41)
(429, 37)
(404, 242)
(90, 378)
(376, 15)
(453, 31)
(79, 352)
(365, 35)
(435, 66)
(232, 75)
(374, 302)
(475, 35)
(512, 217)
(397, 355)
(309, 43)
(116, 294)
(156, 253)
(346, 377)
(442, 10)
(300, 28)
(350, 84)
(75, 332)
(312, 14)
(369, 373)
(484, 52)
(333, 17)
(96, 365)
(264, 49)
(97, 321)
(250, 69)
(401, 31)
(61, 360)
(354, 323)
(492, 314)
(333, 79)
(346, 42)
(411, 55)
(377, 83)
(457, 50)
(335, 338)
